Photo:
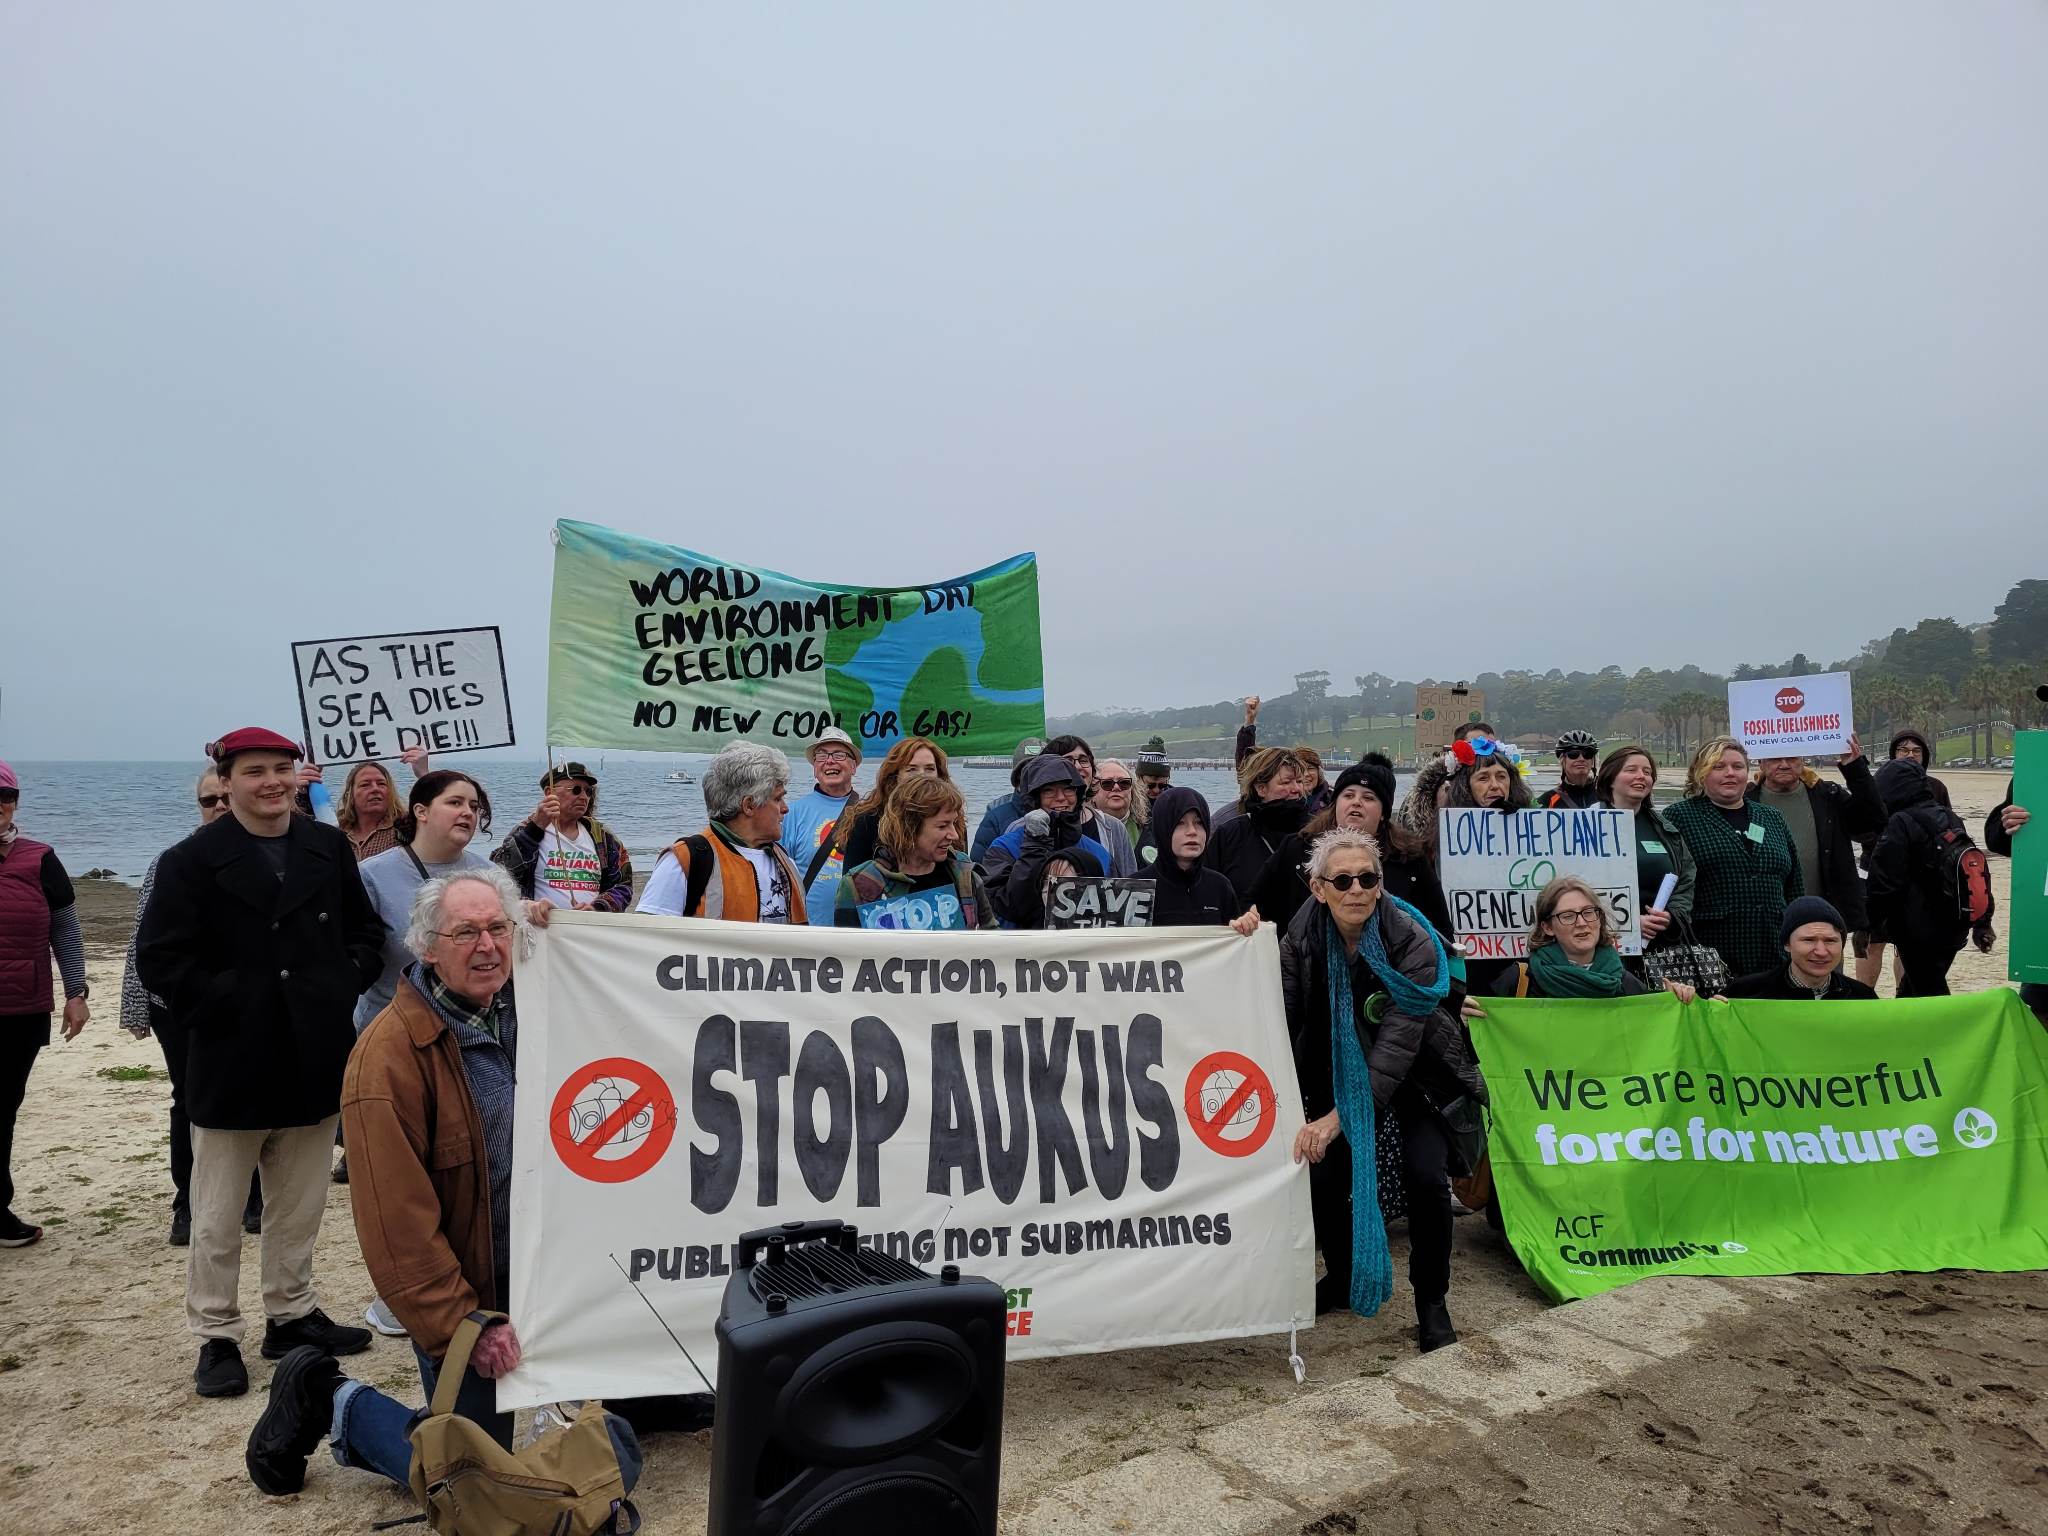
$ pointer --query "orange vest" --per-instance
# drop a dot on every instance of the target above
(733, 892)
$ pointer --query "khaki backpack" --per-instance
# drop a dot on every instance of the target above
(572, 1483)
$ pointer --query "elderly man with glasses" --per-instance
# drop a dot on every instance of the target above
(807, 829)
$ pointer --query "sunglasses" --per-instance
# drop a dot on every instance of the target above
(9, 796)
(208, 802)
(1112, 783)
(1365, 880)
(1578, 752)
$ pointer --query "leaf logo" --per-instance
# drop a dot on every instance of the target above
(1975, 1129)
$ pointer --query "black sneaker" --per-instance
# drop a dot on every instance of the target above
(221, 1372)
(252, 1217)
(300, 1411)
(317, 1329)
(181, 1227)
(16, 1233)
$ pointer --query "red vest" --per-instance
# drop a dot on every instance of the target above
(24, 929)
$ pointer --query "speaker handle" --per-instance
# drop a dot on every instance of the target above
(843, 1235)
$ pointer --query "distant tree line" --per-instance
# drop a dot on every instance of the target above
(1937, 676)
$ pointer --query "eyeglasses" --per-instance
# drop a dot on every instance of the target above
(1365, 880)
(833, 755)
(1112, 783)
(1577, 917)
(468, 935)
(208, 802)
(1584, 752)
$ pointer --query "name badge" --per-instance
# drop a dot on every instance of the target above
(1755, 833)
(1648, 846)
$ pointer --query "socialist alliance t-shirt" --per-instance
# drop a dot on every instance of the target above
(568, 871)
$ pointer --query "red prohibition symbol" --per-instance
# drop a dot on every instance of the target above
(615, 1103)
(1229, 1103)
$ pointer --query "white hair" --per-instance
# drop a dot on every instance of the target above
(1340, 840)
(743, 771)
(425, 922)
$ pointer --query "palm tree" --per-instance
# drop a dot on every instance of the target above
(1930, 700)
(1672, 712)
(2019, 687)
(1982, 688)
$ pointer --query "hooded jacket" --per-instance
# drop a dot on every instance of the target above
(1185, 898)
(1016, 861)
(1840, 818)
(1934, 786)
(1907, 904)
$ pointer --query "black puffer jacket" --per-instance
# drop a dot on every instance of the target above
(1426, 1054)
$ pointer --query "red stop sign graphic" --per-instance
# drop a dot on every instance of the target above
(1790, 701)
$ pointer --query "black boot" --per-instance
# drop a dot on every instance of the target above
(290, 1429)
(1433, 1328)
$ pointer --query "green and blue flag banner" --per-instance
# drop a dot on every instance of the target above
(656, 647)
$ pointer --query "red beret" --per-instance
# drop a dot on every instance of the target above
(251, 738)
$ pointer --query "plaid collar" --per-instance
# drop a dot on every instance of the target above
(458, 1009)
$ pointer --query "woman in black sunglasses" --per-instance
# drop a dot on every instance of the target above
(1365, 980)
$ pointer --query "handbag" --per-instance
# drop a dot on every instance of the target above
(1680, 956)
(1464, 1123)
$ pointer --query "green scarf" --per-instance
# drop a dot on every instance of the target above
(1558, 977)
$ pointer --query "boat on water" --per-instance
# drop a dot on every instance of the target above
(680, 777)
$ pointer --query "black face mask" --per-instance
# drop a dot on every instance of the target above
(1278, 815)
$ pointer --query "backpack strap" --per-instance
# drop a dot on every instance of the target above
(1521, 978)
(695, 855)
(454, 1364)
(825, 840)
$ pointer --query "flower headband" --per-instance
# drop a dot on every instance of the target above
(1477, 749)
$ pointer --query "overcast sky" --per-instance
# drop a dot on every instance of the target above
(1416, 338)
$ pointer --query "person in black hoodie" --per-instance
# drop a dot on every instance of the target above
(1186, 892)
(1908, 902)
(1272, 807)
(1870, 946)
(1050, 790)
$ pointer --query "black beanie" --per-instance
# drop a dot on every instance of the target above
(1808, 909)
(1376, 773)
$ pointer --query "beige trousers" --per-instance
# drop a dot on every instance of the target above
(294, 1163)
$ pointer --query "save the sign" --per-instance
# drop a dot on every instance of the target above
(1495, 864)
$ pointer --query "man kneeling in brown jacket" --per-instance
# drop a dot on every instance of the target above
(426, 1107)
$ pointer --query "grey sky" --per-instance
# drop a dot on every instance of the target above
(1421, 339)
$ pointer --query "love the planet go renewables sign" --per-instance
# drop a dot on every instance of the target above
(657, 647)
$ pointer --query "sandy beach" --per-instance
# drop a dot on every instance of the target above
(1900, 1403)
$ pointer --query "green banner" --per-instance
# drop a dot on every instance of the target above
(2027, 922)
(655, 647)
(1650, 1137)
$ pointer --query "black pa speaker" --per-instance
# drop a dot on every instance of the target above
(856, 1393)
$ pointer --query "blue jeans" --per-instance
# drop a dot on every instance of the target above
(374, 1432)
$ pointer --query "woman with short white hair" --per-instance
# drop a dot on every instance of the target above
(1364, 978)
(736, 868)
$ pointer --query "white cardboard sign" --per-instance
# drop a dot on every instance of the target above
(1792, 716)
(373, 696)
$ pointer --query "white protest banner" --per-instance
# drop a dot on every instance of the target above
(1495, 864)
(1102, 1122)
(1087, 901)
(1792, 716)
(374, 696)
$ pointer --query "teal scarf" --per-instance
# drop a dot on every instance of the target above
(1372, 1268)
(1558, 977)
(1416, 1001)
